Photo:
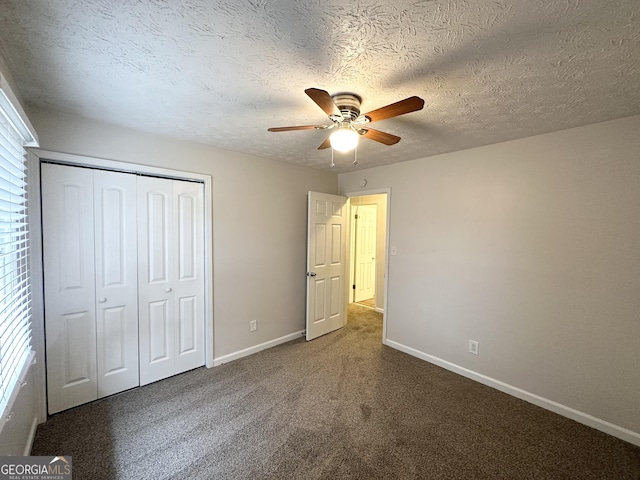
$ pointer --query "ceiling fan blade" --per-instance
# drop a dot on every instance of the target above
(323, 100)
(325, 144)
(407, 105)
(302, 127)
(381, 137)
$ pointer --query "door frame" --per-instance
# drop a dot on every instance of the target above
(363, 193)
(126, 167)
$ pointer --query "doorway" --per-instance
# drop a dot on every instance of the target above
(368, 239)
(363, 248)
(329, 237)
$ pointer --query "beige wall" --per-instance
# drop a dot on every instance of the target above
(532, 248)
(259, 221)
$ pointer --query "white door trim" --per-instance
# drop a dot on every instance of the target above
(37, 289)
(362, 193)
(92, 162)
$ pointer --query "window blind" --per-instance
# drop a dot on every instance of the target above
(15, 293)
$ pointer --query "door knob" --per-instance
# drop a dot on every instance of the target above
(102, 300)
(167, 290)
(311, 274)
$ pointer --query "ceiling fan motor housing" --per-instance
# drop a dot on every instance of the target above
(348, 104)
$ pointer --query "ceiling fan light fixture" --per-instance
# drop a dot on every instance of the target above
(344, 139)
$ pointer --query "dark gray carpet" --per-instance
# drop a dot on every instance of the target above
(342, 406)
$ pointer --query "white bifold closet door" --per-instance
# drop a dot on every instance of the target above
(170, 277)
(124, 281)
(90, 265)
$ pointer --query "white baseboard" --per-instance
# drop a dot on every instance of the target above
(31, 438)
(581, 417)
(258, 348)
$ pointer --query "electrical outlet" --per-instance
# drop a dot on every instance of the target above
(253, 325)
(474, 347)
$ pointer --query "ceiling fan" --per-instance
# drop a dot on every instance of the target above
(343, 110)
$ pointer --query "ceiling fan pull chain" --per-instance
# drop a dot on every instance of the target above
(355, 155)
(332, 164)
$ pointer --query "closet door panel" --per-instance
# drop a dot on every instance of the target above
(112, 346)
(188, 218)
(160, 333)
(78, 360)
(116, 281)
(187, 327)
(155, 270)
(69, 285)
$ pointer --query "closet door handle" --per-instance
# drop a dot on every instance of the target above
(102, 300)
(167, 290)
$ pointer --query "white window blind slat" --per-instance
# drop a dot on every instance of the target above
(12, 245)
(16, 360)
(12, 145)
(5, 195)
(11, 336)
(14, 227)
(15, 290)
(13, 187)
(8, 166)
(16, 214)
(19, 289)
(19, 337)
(15, 223)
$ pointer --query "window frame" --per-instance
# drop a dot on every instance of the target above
(18, 124)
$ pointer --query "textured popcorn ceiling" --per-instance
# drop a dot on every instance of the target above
(222, 72)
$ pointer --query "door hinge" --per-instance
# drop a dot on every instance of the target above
(354, 287)
(356, 216)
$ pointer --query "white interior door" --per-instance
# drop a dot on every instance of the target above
(170, 277)
(326, 265)
(188, 251)
(155, 272)
(116, 281)
(69, 285)
(365, 252)
(124, 281)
